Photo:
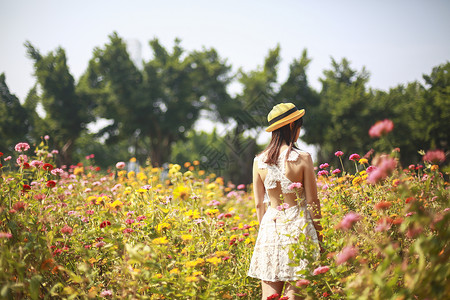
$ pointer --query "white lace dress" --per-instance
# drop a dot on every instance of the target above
(279, 230)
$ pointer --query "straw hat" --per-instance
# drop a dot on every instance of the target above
(282, 114)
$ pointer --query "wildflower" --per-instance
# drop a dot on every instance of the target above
(37, 164)
(348, 221)
(105, 223)
(19, 206)
(57, 171)
(22, 147)
(382, 205)
(51, 183)
(302, 282)
(346, 253)
(336, 171)
(120, 165)
(383, 224)
(26, 188)
(192, 279)
(354, 156)
(324, 166)
(385, 167)
(160, 241)
(273, 296)
(295, 185)
(214, 260)
(241, 294)
(241, 187)
(434, 156)
(106, 293)
(47, 167)
(284, 298)
(140, 218)
(100, 244)
(127, 230)
(322, 173)
(66, 229)
(6, 235)
(129, 221)
(363, 161)
(338, 153)
(381, 128)
(186, 237)
(7, 158)
(321, 270)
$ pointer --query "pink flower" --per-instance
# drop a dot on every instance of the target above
(295, 185)
(434, 156)
(89, 212)
(241, 187)
(66, 229)
(37, 163)
(336, 171)
(348, 221)
(46, 137)
(346, 253)
(339, 153)
(285, 206)
(324, 166)
(354, 156)
(383, 170)
(106, 293)
(381, 128)
(302, 282)
(5, 235)
(22, 147)
(57, 171)
(322, 173)
(127, 230)
(21, 159)
(140, 218)
(129, 221)
(7, 158)
(321, 270)
(120, 165)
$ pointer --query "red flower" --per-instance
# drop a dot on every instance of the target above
(273, 296)
(354, 156)
(19, 206)
(66, 229)
(241, 294)
(47, 167)
(1, 154)
(26, 165)
(284, 298)
(104, 224)
(382, 205)
(339, 153)
(51, 183)
(325, 294)
(26, 188)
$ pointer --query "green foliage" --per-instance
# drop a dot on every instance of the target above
(14, 123)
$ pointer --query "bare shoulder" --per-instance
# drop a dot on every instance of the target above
(304, 158)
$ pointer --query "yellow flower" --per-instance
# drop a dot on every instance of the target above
(91, 198)
(116, 203)
(160, 241)
(141, 176)
(214, 260)
(201, 172)
(211, 186)
(434, 167)
(222, 253)
(249, 240)
(175, 168)
(211, 195)
(162, 226)
(196, 162)
(212, 212)
(121, 173)
(363, 161)
(133, 159)
(193, 214)
(188, 174)
(192, 279)
(186, 237)
(131, 174)
(157, 276)
(175, 271)
(78, 170)
(155, 170)
(181, 192)
(357, 180)
(197, 273)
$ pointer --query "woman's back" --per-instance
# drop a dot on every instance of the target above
(278, 177)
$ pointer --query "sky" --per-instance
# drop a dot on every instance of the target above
(397, 41)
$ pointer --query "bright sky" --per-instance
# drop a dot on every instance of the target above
(397, 41)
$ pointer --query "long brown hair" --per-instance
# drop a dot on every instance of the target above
(284, 134)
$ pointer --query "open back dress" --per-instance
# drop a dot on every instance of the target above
(280, 229)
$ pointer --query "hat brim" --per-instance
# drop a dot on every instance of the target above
(288, 119)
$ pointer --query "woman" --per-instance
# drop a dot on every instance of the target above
(274, 171)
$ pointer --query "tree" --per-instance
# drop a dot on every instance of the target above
(156, 106)
(14, 124)
(66, 113)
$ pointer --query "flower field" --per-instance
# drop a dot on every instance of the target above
(81, 232)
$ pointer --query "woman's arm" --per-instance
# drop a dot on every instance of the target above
(310, 187)
(258, 192)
